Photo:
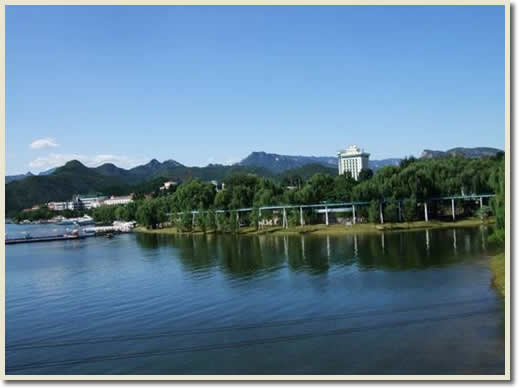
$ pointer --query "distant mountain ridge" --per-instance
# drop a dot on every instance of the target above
(475, 152)
(279, 163)
(61, 183)
(76, 178)
(10, 178)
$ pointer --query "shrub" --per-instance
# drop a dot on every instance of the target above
(483, 213)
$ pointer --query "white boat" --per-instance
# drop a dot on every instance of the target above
(85, 220)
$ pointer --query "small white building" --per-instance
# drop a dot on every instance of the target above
(57, 206)
(123, 200)
(352, 159)
(78, 202)
(84, 202)
(217, 185)
(167, 185)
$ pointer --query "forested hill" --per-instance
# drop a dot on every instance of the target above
(74, 178)
(407, 184)
(476, 152)
(279, 163)
(66, 181)
(11, 178)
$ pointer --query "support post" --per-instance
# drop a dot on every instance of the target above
(284, 219)
(301, 217)
(260, 219)
(354, 214)
(481, 203)
(193, 216)
(327, 217)
(425, 212)
(453, 208)
(381, 212)
(237, 218)
(399, 210)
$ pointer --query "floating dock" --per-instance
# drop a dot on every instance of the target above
(118, 227)
(24, 240)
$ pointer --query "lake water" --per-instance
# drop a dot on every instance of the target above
(417, 302)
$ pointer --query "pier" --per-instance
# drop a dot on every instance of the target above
(24, 240)
(118, 227)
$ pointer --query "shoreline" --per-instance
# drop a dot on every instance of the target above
(335, 229)
(497, 265)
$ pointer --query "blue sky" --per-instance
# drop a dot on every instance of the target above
(203, 85)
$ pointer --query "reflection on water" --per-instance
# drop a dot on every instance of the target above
(247, 255)
(416, 302)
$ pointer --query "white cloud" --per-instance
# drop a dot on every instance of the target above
(43, 143)
(57, 160)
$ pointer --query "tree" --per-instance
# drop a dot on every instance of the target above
(406, 162)
(193, 195)
(373, 211)
(410, 209)
(201, 221)
(293, 217)
(254, 218)
(318, 189)
(391, 210)
(483, 213)
(151, 213)
(211, 220)
(365, 174)
(292, 180)
(343, 187)
(222, 199)
(183, 221)
(497, 203)
(104, 214)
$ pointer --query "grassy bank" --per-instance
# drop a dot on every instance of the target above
(497, 264)
(332, 229)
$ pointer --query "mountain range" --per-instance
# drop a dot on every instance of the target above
(279, 163)
(10, 178)
(60, 184)
(477, 152)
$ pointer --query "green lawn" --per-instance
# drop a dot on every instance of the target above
(334, 229)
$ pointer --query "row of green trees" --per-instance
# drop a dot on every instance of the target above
(44, 213)
(410, 183)
(497, 203)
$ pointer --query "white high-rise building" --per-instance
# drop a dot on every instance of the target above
(352, 159)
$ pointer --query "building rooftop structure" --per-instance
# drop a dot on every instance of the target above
(352, 160)
(353, 150)
(168, 185)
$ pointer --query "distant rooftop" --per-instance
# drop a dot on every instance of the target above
(352, 150)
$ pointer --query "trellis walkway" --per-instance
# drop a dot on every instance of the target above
(327, 208)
